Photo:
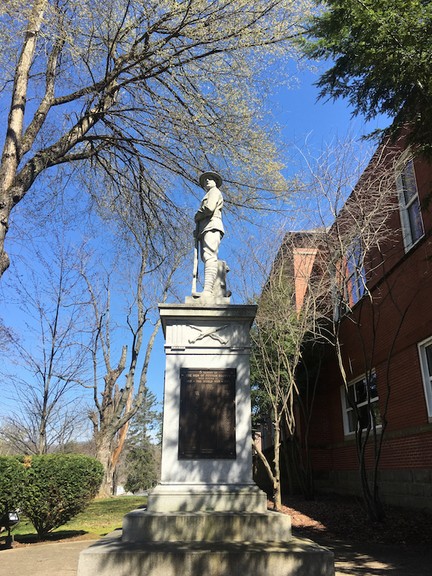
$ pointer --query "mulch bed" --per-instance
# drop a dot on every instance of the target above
(345, 518)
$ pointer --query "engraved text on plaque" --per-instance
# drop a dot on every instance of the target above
(207, 413)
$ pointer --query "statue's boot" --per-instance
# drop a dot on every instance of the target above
(210, 272)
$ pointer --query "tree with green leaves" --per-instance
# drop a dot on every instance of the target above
(137, 94)
(381, 59)
(142, 462)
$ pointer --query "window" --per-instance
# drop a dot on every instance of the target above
(360, 406)
(425, 352)
(409, 204)
(350, 285)
(355, 273)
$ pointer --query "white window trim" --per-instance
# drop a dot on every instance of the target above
(346, 407)
(426, 377)
(403, 208)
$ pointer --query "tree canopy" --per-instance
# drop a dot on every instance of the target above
(139, 93)
(381, 59)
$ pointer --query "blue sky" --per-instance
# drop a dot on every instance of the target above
(303, 120)
(318, 121)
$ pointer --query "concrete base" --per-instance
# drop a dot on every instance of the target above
(207, 517)
(205, 498)
(143, 526)
(205, 543)
(112, 556)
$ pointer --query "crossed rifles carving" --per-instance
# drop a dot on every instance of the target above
(211, 333)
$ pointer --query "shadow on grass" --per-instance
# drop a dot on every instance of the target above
(32, 538)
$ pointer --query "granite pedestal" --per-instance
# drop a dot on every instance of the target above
(207, 516)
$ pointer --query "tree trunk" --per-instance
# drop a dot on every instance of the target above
(104, 455)
(277, 496)
(371, 497)
(9, 197)
(4, 224)
(267, 467)
(11, 155)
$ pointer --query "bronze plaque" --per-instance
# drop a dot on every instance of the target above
(207, 414)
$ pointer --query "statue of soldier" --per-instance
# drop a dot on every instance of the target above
(209, 230)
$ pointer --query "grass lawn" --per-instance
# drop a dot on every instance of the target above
(99, 518)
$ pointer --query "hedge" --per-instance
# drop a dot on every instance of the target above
(58, 487)
(12, 480)
(50, 489)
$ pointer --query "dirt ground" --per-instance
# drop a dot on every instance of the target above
(343, 517)
(399, 546)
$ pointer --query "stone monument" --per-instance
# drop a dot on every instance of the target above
(207, 516)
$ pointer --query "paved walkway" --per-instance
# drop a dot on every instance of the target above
(55, 559)
(61, 559)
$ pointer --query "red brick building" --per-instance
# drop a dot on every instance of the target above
(386, 349)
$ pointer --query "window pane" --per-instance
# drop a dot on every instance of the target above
(363, 415)
(428, 350)
(415, 220)
(373, 385)
(376, 415)
(356, 277)
(366, 412)
(361, 391)
(351, 421)
(409, 185)
(426, 362)
(412, 224)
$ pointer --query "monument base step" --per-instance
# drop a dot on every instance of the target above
(146, 526)
(112, 556)
(206, 498)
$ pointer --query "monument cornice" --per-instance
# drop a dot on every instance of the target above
(185, 313)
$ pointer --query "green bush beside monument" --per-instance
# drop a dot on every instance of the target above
(50, 489)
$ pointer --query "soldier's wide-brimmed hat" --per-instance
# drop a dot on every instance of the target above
(210, 176)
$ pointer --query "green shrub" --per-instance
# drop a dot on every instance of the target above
(12, 479)
(59, 486)
(142, 469)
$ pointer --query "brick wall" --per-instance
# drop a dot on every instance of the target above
(385, 336)
(399, 487)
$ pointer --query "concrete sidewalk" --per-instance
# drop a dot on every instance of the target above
(54, 559)
(358, 559)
